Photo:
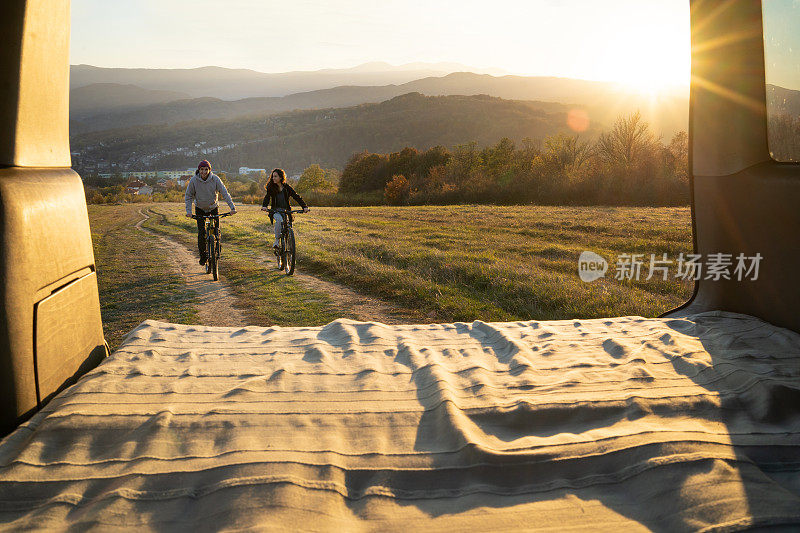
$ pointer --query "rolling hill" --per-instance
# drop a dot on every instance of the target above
(783, 101)
(603, 101)
(113, 98)
(235, 84)
(329, 137)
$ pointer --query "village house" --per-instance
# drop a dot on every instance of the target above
(133, 186)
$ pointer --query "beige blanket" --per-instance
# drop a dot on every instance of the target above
(634, 423)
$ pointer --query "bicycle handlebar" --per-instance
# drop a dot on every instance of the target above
(281, 210)
(223, 215)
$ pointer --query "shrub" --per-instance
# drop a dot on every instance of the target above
(397, 190)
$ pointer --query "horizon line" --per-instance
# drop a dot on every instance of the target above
(507, 73)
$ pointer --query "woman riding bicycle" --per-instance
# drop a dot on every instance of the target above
(278, 194)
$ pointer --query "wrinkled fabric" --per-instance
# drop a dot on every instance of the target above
(668, 424)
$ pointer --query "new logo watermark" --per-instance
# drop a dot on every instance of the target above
(635, 267)
(591, 266)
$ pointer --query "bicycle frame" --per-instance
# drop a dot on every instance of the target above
(286, 221)
(211, 222)
(287, 252)
(212, 228)
(212, 241)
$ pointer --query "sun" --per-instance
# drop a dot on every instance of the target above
(647, 57)
(654, 69)
(650, 84)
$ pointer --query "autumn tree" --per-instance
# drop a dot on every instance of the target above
(313, 179)
(357, 175)
(678, 152)
(628, 143)
(567, 150)
(397, 190)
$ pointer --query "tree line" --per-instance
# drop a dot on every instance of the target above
(626, 165)
(784, 137)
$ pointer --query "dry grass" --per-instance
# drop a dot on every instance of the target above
(136, 281)
(460, 263)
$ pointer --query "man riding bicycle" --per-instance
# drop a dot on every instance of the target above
(203, 189)
(277, 197)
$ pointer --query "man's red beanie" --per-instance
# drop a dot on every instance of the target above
(204, 163)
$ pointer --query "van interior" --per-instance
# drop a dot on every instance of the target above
(689, 421)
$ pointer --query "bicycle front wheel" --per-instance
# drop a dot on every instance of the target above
(209, 253)
(282, 252)
(290, 252)
(210, 258)
(214, 257)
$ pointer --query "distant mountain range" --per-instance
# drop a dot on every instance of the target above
(115, 98)
(603, 101)
(783, 101)
(104, 98)
(235, 84)
(140, 118)
(328, 137)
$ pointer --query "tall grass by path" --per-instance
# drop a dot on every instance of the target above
(456, 263)
(135, 280)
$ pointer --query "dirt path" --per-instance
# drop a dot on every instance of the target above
(363, 307)
(217, 302)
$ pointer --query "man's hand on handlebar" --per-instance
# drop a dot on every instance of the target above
(305, 209)
(233, 211)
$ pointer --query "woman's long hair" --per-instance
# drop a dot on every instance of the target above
(271, 187)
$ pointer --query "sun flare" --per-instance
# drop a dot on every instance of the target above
(646, 54)
(653, 71)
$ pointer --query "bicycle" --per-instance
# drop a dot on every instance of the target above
(213, 242)
(286, 252)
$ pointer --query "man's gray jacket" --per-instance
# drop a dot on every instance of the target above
(204, 193)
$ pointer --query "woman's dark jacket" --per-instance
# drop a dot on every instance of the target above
(272, 192)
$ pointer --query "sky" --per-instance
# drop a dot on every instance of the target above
(639, 42)
(782, 42)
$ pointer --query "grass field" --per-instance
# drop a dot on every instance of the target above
(442, 264)
(459, 263)
(135, 280)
